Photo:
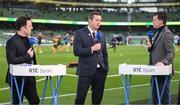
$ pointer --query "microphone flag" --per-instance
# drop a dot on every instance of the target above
(32, 40)
(98, 37)
(150, 35)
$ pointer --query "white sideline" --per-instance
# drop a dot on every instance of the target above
(177, 72)
(71, 75)
(110, 89)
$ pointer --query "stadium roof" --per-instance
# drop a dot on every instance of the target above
(111, 5)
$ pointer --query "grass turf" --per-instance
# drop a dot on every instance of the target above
(114, 93)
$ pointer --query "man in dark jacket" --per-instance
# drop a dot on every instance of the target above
(90, 47)
(19, 51)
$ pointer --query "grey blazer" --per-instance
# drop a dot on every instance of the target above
(162, 49)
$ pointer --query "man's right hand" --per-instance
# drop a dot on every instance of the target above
(96, 47)
(148, 43)
(30, 52)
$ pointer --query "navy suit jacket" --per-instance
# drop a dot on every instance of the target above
(87, 62)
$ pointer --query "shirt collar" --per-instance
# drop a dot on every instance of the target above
(91, 31)
(161, 28)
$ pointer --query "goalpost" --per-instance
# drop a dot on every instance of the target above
(136, 40)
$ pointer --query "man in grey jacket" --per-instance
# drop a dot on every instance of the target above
(161, 53)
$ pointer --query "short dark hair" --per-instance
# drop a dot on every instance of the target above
(91, 15)
(162, 16)
(21, 21)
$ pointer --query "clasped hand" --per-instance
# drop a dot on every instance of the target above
(96, 47)
(30, 52)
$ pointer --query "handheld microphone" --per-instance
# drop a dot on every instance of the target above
(150, 35)
(98, 37)
(32, 40)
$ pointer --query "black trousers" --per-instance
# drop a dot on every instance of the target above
(114, 46)
(165, 96)
(97, 82)
(29, 90)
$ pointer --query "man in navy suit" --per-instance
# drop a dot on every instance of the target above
(18, 51)
(93, 60)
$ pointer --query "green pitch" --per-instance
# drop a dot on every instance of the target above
(114, 93)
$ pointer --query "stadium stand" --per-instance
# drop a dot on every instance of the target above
(72, 10)
(109, 16)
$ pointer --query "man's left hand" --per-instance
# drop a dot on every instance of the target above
(159, 64)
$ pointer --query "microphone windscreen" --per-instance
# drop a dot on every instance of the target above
(32, 40)
(99, 35)
(150, 34)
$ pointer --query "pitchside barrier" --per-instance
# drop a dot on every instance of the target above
(127, 70)
(38, 70)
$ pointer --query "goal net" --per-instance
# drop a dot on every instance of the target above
(136, 40)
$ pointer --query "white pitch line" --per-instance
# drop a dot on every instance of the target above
(6, 88)
(72, 75)
(110, 89)
(42, 79)
(116, 75)
(177, 72)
